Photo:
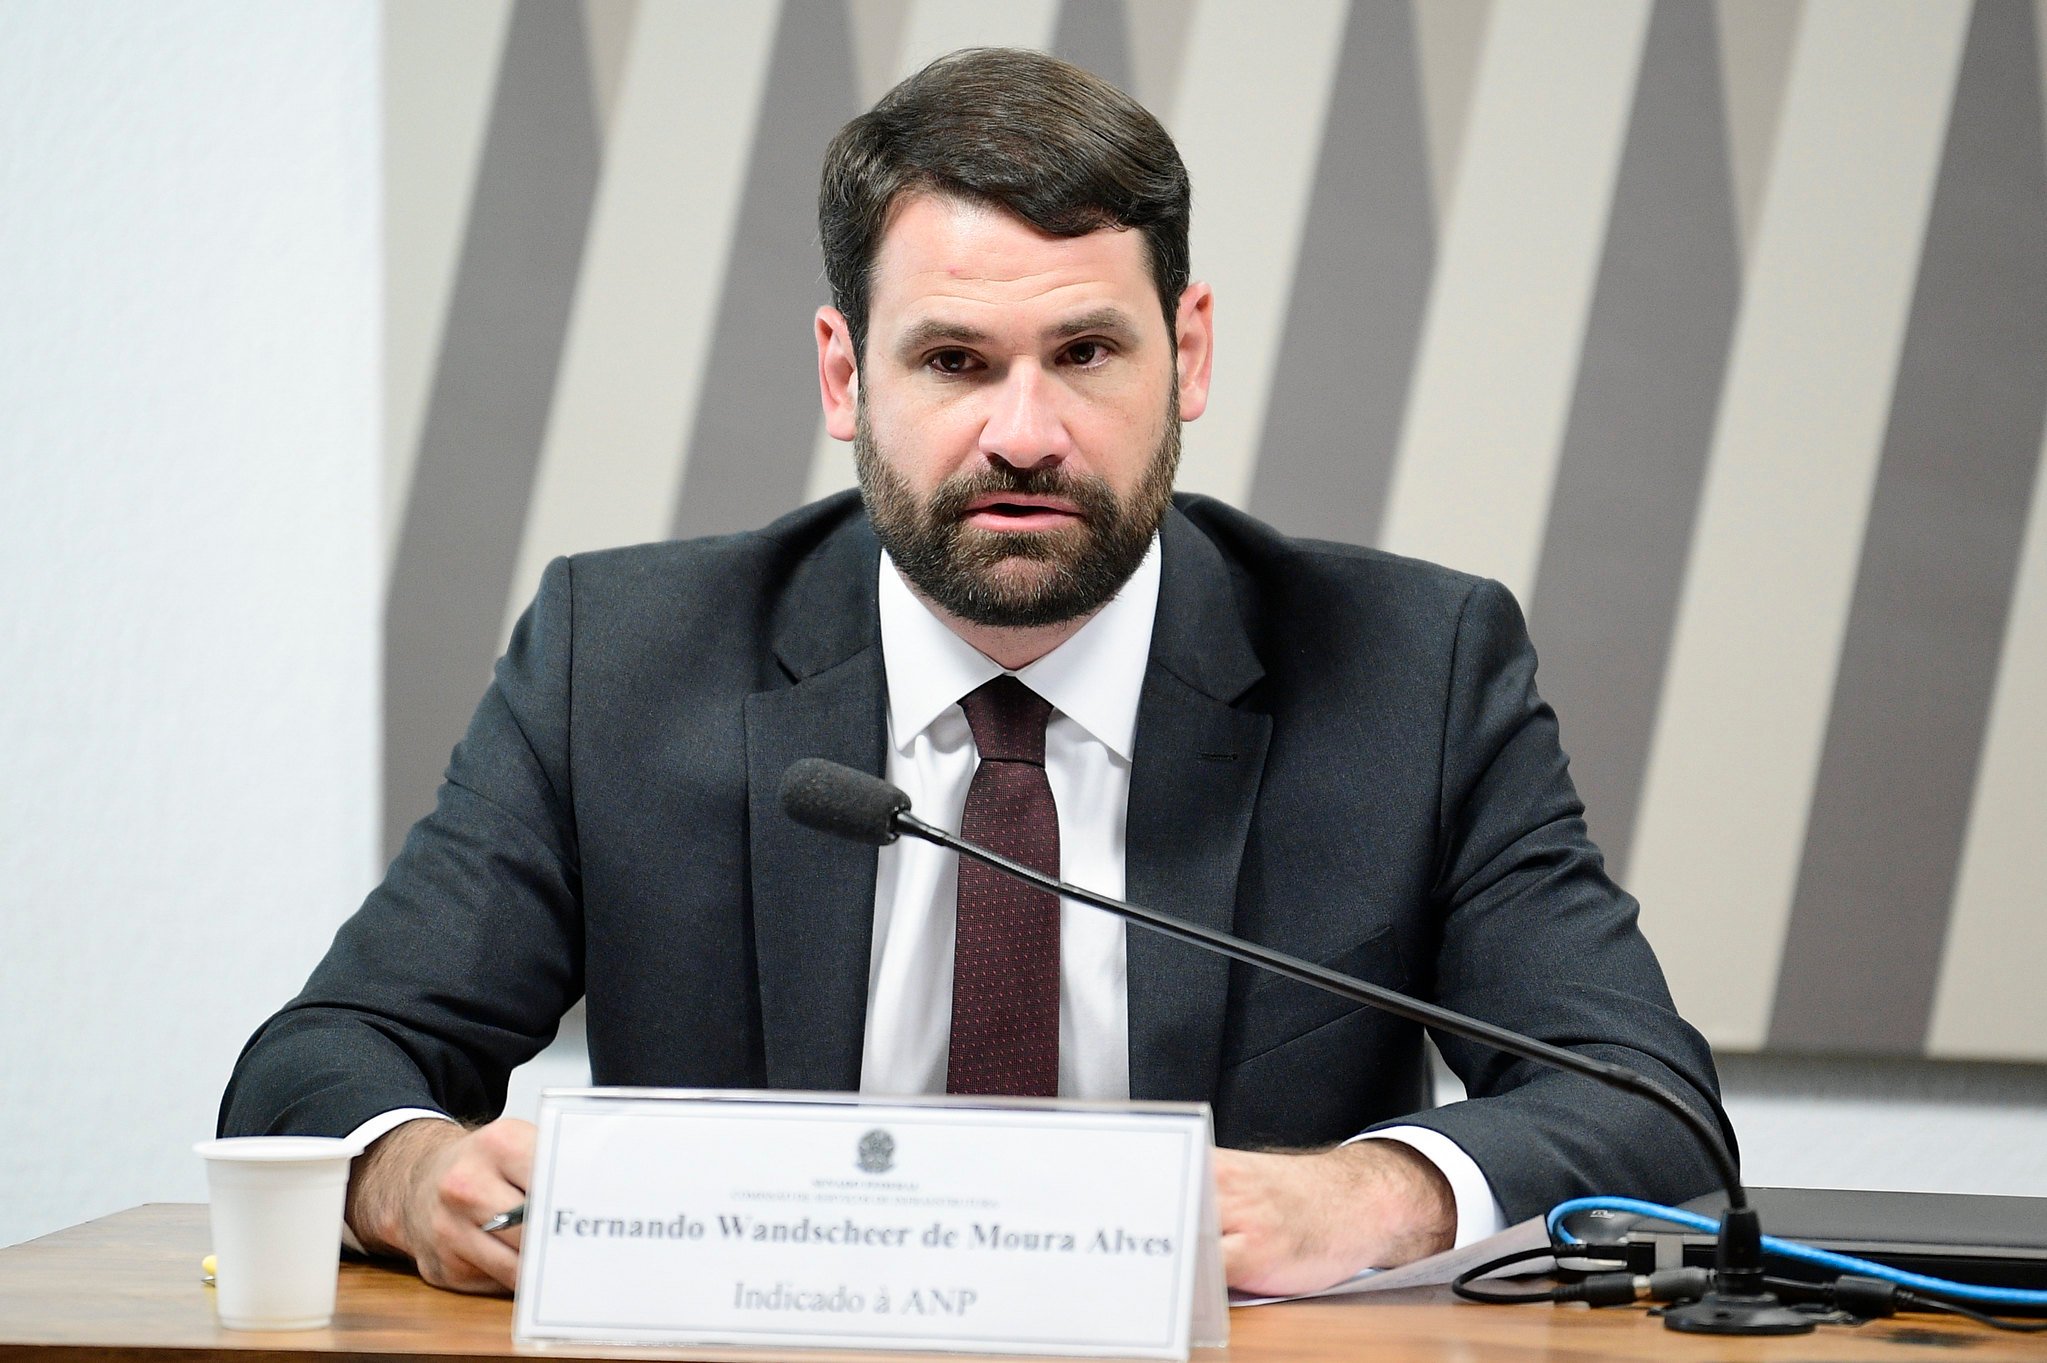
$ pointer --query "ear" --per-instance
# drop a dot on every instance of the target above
(1195, 322)
(838, 373)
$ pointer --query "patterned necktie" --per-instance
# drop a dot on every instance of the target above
(1005, 976)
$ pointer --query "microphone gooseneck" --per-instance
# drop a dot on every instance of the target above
(837, 799)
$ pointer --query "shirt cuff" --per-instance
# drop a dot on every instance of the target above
(1479, 1214)
(383, 1124)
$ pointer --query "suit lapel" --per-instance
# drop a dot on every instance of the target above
(813, 895)
(1193, 784)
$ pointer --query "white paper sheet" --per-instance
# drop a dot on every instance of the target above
(1434, 1270)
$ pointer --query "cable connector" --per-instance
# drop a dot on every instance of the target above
(1680, 1284)
(1625, 1289)
(1866, 1298)
(1604, 1289)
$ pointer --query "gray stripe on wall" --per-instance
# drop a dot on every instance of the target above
(757, 421)
(488, 411)
(1905, 731)
(1368, 247)
(1641, 420)
(1095, 36)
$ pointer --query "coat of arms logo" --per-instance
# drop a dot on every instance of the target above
(877, 1152)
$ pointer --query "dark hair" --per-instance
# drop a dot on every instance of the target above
(1060, 148)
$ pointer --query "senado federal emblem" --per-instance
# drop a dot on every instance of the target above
(877, 1152)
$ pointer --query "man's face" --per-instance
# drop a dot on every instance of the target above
(1016, 417)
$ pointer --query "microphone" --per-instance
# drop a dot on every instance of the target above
(838, 800)
(851, 804)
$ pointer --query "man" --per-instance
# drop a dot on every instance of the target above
(1329, 750)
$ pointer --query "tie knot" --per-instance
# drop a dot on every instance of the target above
(1008, 720)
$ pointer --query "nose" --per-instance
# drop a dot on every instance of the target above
(1024, 428)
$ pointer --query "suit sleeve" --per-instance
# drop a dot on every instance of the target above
(458, 967)
(1537, 937)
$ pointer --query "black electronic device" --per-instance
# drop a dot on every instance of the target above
(1989, 1241)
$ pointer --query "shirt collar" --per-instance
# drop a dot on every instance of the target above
(1095, 678)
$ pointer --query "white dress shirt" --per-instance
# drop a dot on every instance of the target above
(1093, 682)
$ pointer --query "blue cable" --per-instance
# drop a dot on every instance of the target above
(1791, 1249)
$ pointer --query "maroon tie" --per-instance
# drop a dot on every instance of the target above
(1005, 974)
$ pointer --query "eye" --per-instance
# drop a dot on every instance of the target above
(1087, 354)
(950, 361)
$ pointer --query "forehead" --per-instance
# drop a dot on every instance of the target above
(945, 258)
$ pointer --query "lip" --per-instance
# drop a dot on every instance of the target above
(1019, 512)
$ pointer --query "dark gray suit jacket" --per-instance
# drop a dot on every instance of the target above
(1339, 753)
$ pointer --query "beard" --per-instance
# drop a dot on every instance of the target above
(1017, 579)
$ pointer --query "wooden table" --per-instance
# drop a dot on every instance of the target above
(127, 1287)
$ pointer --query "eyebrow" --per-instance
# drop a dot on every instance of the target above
(938, 331)
(1112, 320)
(934, 331)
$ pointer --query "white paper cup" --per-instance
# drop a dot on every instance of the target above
(277, 1203)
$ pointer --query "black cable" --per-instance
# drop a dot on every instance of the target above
(1919, 1301)
(1874, 1299)
(1461, 1284)
(1853, 1296)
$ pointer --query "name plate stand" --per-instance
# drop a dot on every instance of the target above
(1000, 1225)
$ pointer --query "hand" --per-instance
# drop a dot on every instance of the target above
(423, 1190)
(1294, 1223)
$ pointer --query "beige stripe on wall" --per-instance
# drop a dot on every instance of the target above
(1802, 419)
(440, 72)
(1254, 96)
(1756, 39)
(1498, 359)
(1989, 1001)
(608, 29)
(1448, 37)
(934, 28)
(937, 27)
(660, 235)
(831, 465)
(877, 27)
(1158, 49)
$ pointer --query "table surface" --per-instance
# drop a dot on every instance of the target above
(127, 1287)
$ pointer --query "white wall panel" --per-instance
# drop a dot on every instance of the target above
(189, 432)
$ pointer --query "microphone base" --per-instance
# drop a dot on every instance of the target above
(1735, 1313)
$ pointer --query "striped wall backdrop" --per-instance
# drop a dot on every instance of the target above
(1715, 329)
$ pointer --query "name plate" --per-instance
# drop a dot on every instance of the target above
(971, 1225)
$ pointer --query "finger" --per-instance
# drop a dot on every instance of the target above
(1233, 1185)
(473, 1189)
(508, 1146)
(500, 1261)
(1244, 1207)
(457, 1274)
(524, 1136)
(504, 1152)
(468, 1260)
(1246, 1262)
(1235, 1250)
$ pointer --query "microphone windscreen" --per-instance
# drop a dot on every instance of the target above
(837, 799)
